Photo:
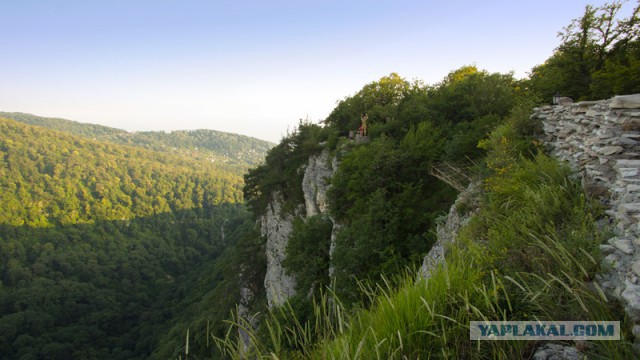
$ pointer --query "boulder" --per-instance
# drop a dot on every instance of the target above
(625, 102)
(556, 352)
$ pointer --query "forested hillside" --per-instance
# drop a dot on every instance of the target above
(49, 178)
(236, 152)
(104, 247)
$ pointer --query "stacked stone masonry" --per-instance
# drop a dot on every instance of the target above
(600, 140)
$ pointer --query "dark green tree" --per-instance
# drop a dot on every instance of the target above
(597, 51)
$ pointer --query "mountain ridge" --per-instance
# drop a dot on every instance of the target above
(239, 151)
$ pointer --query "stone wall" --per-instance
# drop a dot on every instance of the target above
(600, 140)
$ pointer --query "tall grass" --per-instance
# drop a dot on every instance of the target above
(529, 254)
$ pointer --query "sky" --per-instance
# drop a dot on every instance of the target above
(250, 67)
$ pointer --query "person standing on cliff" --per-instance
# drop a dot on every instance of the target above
(364, 119)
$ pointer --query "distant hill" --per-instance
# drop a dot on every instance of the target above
(239, 152)
(49, 177)
(103, 246)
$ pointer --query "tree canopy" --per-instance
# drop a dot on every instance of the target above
(598, 57)
(105, 248)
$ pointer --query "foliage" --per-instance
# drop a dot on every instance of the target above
(383, 195)
(394, 105)
(282, 171)
(525, 256)
(382, 192)
(210, 293)
(308, 253)
(378, 99)
(597, 58)
(50, 178)
(235, 153)
(108, 251)
(109, 289)
(467, 94)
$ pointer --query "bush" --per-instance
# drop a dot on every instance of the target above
(308, 253)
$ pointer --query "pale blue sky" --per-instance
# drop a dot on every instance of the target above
(250, 67)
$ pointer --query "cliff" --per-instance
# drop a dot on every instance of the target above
(465, 206)
(276, 225)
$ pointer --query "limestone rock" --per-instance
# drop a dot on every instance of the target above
(606, 249)
(447, 232)
(628, 172)
(636, 267)
(631, 295)
(627, 163)
(624, 141)
(630, 208)
(624, 245)
(332, 245)
(315, 183)
(276, 226)
(610, 150)
(565, 101)
(557, 352)
(600, 141)
(625, 102)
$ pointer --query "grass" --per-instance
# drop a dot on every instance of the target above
(529, 254)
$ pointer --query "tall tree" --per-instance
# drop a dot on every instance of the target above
(596, 52)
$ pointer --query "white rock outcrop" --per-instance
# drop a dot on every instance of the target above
(557, 352)
(459, 215)
(244, 312)
(276, 225)
(315, 183)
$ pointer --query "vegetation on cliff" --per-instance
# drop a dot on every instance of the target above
(599, 56)
(528, 251)
(382, 192)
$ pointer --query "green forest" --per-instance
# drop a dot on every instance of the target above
(105, 249)
(137, 245)
(232, 151)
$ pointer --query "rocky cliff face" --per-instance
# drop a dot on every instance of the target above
(315, 182)
(601, 141)
(276, 225)
(465, 206)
